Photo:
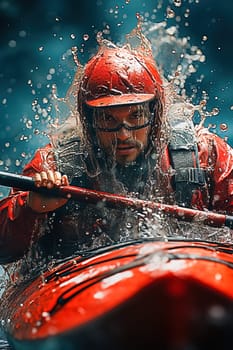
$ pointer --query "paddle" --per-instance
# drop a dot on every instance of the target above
(117, 201)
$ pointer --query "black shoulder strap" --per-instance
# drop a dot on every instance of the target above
(188, 175)
(68, 155)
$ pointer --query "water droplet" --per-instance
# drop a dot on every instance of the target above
(12, 43)
(202, 58)
(129, 225)
(217, 312)
(46, 315)
(29, 124)
(212, 126)
(177, 3)
(223, 126)
(85, 37)
(172, 30)
(22, 34)
(52, 70)
(218, 276)
(203, 102)
(191, 69)
(170, 13)
(215, 111)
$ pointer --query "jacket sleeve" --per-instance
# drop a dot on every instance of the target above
(20, 226)
(216, 156)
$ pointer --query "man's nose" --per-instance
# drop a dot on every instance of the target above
(123, 133)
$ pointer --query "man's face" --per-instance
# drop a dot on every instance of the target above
(121, 143)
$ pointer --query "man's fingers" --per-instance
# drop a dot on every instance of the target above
(44, 178)
(50, 179)
(64, 180)
(57, 178)
(37, 179)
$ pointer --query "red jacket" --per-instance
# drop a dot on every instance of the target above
(20, 226)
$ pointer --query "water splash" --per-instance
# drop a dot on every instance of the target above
(172, 53)
(176, 57)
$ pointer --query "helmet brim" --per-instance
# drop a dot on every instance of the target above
(119, 100)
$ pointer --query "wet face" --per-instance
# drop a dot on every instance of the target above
(122, 131)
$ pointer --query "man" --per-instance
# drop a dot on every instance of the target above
(125, 147)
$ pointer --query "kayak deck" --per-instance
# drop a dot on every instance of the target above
(166, 294)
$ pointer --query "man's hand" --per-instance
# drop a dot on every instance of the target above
(41, 203)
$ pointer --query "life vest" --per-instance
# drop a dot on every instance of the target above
(183, 151)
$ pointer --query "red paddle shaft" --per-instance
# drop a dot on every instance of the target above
(117, 201)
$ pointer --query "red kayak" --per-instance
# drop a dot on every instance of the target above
(175, 295)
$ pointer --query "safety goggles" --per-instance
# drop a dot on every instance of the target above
(107, 123)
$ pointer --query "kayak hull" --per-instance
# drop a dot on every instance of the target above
(172, 295)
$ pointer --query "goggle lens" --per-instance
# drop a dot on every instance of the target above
(104, 121)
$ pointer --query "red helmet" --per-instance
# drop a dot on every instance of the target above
(119, 76)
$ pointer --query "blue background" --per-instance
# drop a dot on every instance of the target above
(35, 42)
